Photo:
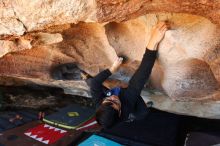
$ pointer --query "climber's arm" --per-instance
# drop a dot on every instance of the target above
(140, 77)
(96, 86)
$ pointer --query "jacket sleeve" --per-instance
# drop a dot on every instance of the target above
(140, 77)
(96, 87)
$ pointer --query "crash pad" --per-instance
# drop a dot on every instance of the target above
(96, 140)
(158, 128)
(90, 124)
(203, 139)
(45, 133)
(70, 117)
(24, 140)
(8, 118)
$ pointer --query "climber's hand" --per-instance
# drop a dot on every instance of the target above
(157, 35)
(115, 66)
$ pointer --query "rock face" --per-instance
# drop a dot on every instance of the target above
(43, 36)
(20, 16)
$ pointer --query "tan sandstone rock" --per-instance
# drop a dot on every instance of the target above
(187, 69)
(20, 16)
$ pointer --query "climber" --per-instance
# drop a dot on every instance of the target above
(126, 104)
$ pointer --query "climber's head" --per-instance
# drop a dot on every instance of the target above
(109, 112)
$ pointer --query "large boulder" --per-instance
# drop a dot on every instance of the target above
(20, 16)
(39, 36)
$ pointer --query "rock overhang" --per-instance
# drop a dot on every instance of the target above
(187, 68)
